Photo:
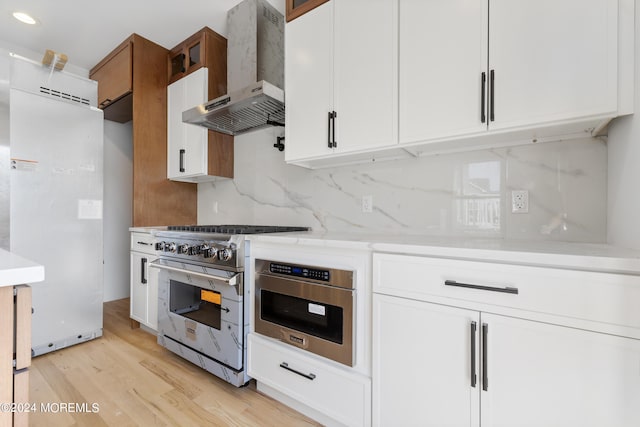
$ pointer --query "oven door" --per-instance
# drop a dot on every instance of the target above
(315, 317)
(202, 308)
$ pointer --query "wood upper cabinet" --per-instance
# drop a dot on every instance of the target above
(115, 77)
(295, 8)
(156, 200)
(197, 73)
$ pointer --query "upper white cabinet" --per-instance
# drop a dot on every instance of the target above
(494, 65)
(340, 84)
(194, 154)
(383, 78)
(186, 144)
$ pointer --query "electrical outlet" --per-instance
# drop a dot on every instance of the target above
(519, 201)
(367, 204)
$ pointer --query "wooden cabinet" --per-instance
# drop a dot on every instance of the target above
(15, 354)
(340, 96)
(144, 281)
(115, 83)
(195, 154)
(471, 67)
(505, 352)
(295, 8)
(156, 200)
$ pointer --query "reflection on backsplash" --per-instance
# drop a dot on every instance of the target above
(449, 195)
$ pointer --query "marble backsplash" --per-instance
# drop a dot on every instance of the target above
(462, 194)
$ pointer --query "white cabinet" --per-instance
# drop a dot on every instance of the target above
(340, 84)
(423, 350)
(472, 359)
(144, 281)
(186, 143)
(337, 395)
(472, 67)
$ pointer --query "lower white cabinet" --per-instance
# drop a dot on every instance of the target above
(343, 397)
(447, 363)
(144, 281)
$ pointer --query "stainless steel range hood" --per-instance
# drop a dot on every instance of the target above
(255, 73)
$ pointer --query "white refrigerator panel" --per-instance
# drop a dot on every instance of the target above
(56, 213)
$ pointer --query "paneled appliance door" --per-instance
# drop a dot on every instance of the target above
(56, 206)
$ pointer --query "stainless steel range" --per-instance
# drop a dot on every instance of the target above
(203, 303)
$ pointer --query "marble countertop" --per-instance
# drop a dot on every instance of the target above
(15, 270)
(581, 256)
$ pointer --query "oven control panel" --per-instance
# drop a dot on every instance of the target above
(299, 271)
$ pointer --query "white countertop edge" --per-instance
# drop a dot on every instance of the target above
(16, 270)
(577, 256)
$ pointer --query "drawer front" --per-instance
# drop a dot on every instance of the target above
(592, 296)
(336, 393)
(143, 242)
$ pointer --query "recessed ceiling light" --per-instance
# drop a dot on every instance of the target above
(23, 17)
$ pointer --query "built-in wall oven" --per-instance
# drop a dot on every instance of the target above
(309, 307)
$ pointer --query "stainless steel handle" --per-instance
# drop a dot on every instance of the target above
(231, 281)
(506, 289)
(485, 342)
(474, 327)
(285, 365)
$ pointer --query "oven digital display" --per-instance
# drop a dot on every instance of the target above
(295, 270)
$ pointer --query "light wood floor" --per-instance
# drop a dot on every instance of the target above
(137, 382)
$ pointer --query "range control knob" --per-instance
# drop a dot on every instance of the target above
(207, 251)
(193, 250)
(170, 247)
(183, 249)
(160, 246)
(225, 254)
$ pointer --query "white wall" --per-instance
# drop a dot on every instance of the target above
(118, 196)
(623, 213)
(450, 195)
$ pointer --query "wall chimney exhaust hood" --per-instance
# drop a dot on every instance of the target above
(255, 73)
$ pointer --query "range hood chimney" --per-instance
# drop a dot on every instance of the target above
(255, 73)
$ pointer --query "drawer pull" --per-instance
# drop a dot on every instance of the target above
(144, 243)
(506, 289)
(285, 365)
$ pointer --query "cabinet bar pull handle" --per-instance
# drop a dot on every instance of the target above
(285, 365)
(473, 354)
(182, 160)
(483, 99)
(143, 267)
(144, 243)
(329, 143)
(485, 375)
(492, 100)
(506, 289)
(333, 130)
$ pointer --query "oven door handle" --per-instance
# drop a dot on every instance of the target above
(231, 281)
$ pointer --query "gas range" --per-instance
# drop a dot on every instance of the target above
(219, 245)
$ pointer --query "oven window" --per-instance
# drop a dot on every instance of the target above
(317, 319)
(192, 302)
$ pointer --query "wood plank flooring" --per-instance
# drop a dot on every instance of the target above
(136, 382)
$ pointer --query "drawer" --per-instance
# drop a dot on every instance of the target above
(143, 242)
(343, 396)
(592, 296)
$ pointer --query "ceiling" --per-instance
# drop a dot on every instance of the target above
(86, 31)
